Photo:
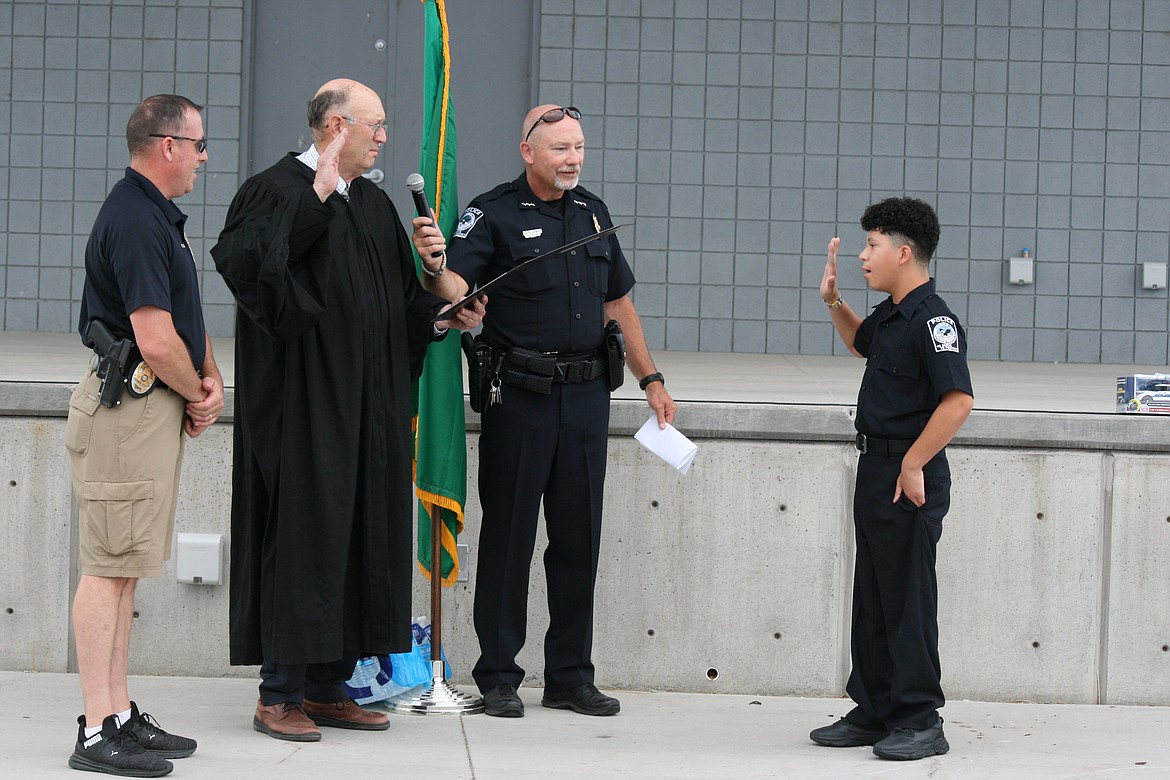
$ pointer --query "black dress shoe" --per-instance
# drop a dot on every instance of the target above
(845, 734)
(913, 744)
(585, 699)
(503, 702)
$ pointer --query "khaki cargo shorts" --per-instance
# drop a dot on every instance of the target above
(125, 463)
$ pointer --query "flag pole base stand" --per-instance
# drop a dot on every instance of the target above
(437, 697)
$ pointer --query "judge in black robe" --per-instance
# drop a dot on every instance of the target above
(332, 325)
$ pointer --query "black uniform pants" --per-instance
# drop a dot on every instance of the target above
(322, 683)
(896, 677)
(536, 446)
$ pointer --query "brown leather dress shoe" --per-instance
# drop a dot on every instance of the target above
(346, 714)
(285, 720)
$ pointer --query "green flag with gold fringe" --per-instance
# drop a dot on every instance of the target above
(440, 464)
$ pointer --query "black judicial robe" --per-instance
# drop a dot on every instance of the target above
(331, 326)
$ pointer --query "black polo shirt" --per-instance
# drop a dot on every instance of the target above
(916, 352)
(138, 255)
(555, 305)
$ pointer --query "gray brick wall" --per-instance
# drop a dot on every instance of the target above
(71, 72)
(741, 135)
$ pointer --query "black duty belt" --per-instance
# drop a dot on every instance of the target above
(140, 379)
(538, 371)
(868, 445)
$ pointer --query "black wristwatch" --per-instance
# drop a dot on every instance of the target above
(646, 380)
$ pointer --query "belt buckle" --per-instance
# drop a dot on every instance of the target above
(861, 443)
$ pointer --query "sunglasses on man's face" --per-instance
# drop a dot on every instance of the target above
(200, 143)
(554, 115)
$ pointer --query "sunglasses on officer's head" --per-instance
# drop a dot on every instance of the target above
(554, 115)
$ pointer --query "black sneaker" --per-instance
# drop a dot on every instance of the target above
(146, 732)
(845, 734)
(114, 752)
(913, 744)
(585, 699)
(503, 702)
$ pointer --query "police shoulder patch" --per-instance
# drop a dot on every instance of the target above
(467, 221)
(944, 333)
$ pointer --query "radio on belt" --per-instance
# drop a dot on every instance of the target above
(199, 560)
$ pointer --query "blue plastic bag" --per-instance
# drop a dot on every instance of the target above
(371, 681)
(377, 678)
(414, 668)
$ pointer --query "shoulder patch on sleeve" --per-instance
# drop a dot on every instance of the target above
(944, 333)
(466, 222)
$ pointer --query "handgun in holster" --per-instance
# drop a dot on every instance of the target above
(615, 353)
(480, 371)
(113, 361)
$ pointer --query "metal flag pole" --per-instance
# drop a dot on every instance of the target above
(437, 697)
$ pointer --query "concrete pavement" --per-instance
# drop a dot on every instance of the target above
(657, 735)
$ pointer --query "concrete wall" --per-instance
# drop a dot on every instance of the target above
(733, 578)
(738, 135)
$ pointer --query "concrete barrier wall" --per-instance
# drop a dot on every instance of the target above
(1053, 565)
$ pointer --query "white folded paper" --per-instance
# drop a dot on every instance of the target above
(667, 443)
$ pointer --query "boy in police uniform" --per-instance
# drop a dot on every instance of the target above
(915, 395)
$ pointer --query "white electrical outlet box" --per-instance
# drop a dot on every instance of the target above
(1153, 276)
(464, 553)
(1020, 270)
(199, 559)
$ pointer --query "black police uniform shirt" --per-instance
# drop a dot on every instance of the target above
(554, 305)
(916, 352)
(138, 255)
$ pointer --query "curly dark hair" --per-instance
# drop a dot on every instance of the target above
(910, 220)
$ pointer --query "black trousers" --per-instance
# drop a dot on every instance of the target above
(534, 447)
(323, 683)
(896, 677)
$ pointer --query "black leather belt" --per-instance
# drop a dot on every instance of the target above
(868, 445)
(156, 384)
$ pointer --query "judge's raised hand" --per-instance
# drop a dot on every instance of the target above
(325, 182)
(829, 291)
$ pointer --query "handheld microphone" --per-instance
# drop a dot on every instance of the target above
(415, 183)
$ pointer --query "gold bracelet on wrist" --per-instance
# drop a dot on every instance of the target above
(835, 304)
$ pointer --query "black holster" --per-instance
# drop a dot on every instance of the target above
(481, 367)
(615, 354)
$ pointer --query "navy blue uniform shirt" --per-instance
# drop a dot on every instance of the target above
(138, 256)
(554, 305)
(915, 352)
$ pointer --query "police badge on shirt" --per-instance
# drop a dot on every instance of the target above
(944, 334)
(466, 222)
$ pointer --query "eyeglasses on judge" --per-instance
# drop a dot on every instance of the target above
(200, 143)
(375, 125)
(554, 115)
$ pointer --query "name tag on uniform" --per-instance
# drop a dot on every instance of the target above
(534, 233)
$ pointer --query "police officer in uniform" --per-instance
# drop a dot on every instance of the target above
(545, 425)
(915, 395)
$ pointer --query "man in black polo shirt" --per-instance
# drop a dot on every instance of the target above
(914, 397)
(545, 445)
(141, 285)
